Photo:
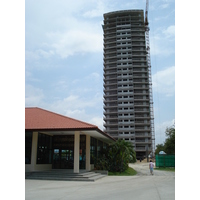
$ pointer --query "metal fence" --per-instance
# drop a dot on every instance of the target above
(165, 160)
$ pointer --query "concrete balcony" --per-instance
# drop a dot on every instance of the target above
(124, 111)
(140, 81)
(110, 73)
(110, 89)
(114, 135)
(139, 76)
(142, 130)
(142, 117)
(143, 111)
(141, 106)
(110, 62)
(139, 71)
(126, 117)
(126, 130)
(126, 136)
(142, 123)
(110, 100)
(142, 135)
(111, 123)
(110, 78)
(110, 83)
(110, 48)
(110, 118)
(140, 87)
(110, 112)
(111, 132)
(142, 142)
(110, 106)
(137, 149)
(107, 96)
(106, 58)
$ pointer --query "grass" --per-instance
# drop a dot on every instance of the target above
(129, 172)
(170, 169)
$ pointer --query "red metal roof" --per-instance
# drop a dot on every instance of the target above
(37, 118)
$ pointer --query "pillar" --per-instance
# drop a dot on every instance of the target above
(34, 151)
(76, 151)
(88, 153)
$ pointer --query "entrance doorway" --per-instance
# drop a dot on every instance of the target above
(63, 158)
(63, 152)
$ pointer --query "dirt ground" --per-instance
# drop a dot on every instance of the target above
(145, 160)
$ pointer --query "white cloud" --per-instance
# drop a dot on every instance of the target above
(45, 54)
(164, 81)
(163, 6)
(97, 11)
(98, 121)
(76, 114)
(30, 55)
(94, 76)
(169, 32)
(60, 28)
(37, 54)
(79, 108)
(162, 41)
(33, 95)
(77, 40)
(29, 77)
(74, 103)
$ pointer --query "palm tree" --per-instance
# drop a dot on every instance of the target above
(121, 153)
(117, 157)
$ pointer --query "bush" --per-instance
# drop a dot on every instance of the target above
(117, 157)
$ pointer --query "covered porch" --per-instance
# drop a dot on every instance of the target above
(65, 144)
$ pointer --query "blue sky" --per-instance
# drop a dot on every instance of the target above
(64, 57)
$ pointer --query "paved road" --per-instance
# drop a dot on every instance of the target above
(143, 170)
(143, 186)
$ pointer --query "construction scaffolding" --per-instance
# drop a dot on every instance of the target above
(150, 78)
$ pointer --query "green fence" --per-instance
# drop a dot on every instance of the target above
(165, 160)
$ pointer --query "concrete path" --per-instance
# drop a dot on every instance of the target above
(143, 186)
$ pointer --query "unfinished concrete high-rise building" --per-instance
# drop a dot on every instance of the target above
(127, 81)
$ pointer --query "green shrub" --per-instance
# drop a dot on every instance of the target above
(117, 157)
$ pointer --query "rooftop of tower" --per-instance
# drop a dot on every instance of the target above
(123, 11)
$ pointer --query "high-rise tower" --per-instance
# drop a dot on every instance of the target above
(127, 84)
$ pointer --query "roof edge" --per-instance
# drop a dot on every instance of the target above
(123, 11)
(105, 134)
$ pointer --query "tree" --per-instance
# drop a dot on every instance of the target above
(170, 141)
(122, 153)
(159, 147)
(169, 144)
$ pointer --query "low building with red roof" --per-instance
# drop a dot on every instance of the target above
(54, 141)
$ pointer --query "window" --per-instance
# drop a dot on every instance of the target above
(82, 152)
(28, 147)
(44, 149)
(93, 150)
(99, 148)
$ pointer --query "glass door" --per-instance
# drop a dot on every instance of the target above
(63, 159)
(67, 159)
(56, 159)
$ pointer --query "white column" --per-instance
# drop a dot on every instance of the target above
(34, 151)
(76, 151)
(88, 153)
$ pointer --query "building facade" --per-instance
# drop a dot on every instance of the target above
(126, 80)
